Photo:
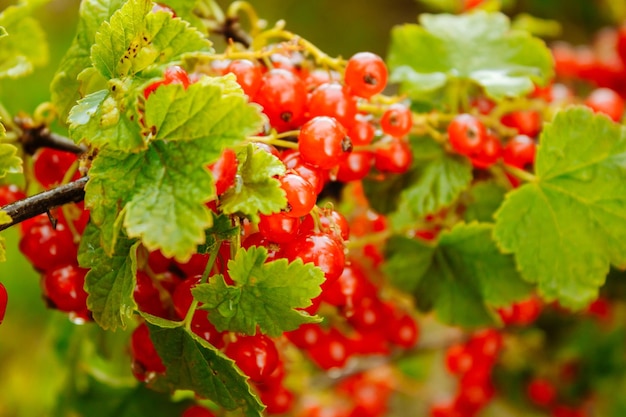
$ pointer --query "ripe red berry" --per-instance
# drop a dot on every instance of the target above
(403, 331)
(313, 174)
(224, 170)
(332, 350)
(182, 297)
(255, 355)
(397, 120)
(143, 351)
(489, 153)
(333, 100)
(541, 392)
(10, 193)
(458, 359)
(249, 75)
(393, 155)
(64, 287)
(324, 250)
(277, 399)
(50, 166)
(349, 289)
(607, 101)
(279, 227)
(467, 134)
(201, 326)
(519, 151)
(283, 97)
(355, 166)
(4, 298)
(323, 142)
(300, 195)
(527, 122)
(366, 74)
(47, 247)
(172, 75)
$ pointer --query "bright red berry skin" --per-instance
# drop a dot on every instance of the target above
(458, 359)
(197, 411)
(323, 142)
(541, 392)
(489, 153)
(467, 134)
(4, 298)
(301, 196)
(607, 101)
(397, 120)
(313, 174)
(366, 74)
(324, 250)
(305, 336)
(277, 399)
(349, 289)
(182, 297)
(255, 355)
(403, 331)
(143, 351)
(519, 151)
(283, 97)
(279, 227)
(393, 155)
(47, 247)
(201, 326)
(172, 75)
(333, 100)
(224, 170)
(50, 166)
(147, 296)
(355, 166)
(527, 122)
(63, 286)
(249, 75)
(10, 193)
(332, 351)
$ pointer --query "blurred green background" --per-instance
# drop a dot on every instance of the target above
(32, 337)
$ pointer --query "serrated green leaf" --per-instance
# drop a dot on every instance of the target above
(212, 107)
(264, 294)
(221, 230)
(568, 226)
(483, 199)
(66, 87)
(256, 191)
(158, 195)
(435, 180)
(136, 38)
(463, 278)
(10, 163)
(111, 280)
(106, 119)
(194, 364)
(477, 47)
(23, 45)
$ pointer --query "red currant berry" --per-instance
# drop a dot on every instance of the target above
(279, 227)
(10, 193)
(47, 247)
(467, 134)
(519, 151)
(397, 120)
(323, 250)
(283, 97)
(349, 289)
(300, 195)
(249, 75)
(355, 167)
(403, 331)
(488, 154)
(366, 74)
(458, 359)
(182, 297)
(607, 101)
(541, 392)
(333, 100)
(305, 336)
(362, 132)
(393, 155)
(176, 75)
(316, 176)
(332, 351)
(4, 298)
(527, 122)
(201, 326)
(143, 351)
(50, 166)
(323, 142)
(147, 296)
(224, 171)
(255, 355)
(64, 287)
(277, 399)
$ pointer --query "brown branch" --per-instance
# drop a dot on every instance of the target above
(233, 31)
(33, 138)
(37, 204)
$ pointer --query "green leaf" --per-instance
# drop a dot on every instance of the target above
(158, 195)
(111, 280)
(435, 180)
(477, 47)
(483, 199)
(194, 364)
(256, 191)
(66, 87)
(106, 119)
(463, 278)
(4, 219)
(214, 107)
(136, 38)
(264, 294)
(568, 226)
(10, 163)
(221, 230)
(23, 43)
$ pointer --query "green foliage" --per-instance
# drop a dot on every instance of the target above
(568, 226)
(194, 364)
(264, 294)
(255, 191)
(483, 199)
(479, 48)
(462, 278)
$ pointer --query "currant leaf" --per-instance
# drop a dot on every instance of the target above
(10, 163)
(157, 195)
(214, 107)
(462, 278)
(479, 47)
(221, 230)
(23, 43)
(4, 219)
(135, 38)
(435, 180)
(264, 294)
(483, 199)
(194, 364)
(111, 279)
(568, 226)
(66, 87)
(255, 190)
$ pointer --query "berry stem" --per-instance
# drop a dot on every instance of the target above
(520, 173)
